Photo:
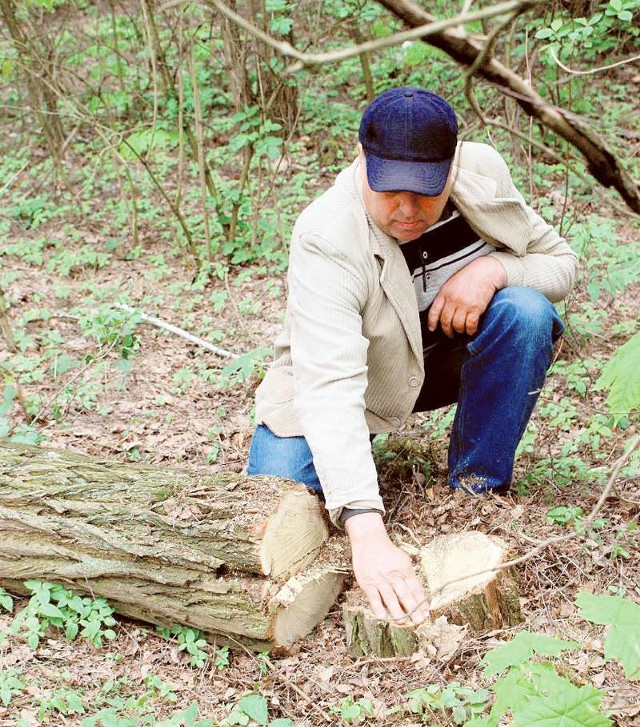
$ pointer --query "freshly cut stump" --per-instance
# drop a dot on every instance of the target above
(459, 575)
(234, 556)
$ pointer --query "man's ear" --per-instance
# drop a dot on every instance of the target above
(360, 150)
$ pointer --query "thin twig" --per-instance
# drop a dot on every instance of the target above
(633, 59)
(178, 331)
(314, 59)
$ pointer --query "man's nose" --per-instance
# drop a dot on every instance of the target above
(409, 203)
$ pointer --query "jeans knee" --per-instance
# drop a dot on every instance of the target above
(528, 312)
(519, 317)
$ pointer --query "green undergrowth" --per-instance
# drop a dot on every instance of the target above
(528, 679)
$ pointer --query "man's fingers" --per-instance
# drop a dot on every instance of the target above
(401, 599)
(435, 313)
(390, 596)
(375, 602)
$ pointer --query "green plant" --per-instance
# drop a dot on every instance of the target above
(533, 692)
(221, 658)
(253, 709)
(245, 366)
(64, 701)
(52, 605)
(353, 711)
(11, 685)
(189, 640)
(621, 378)
(622, 616)
(111, 328)
(458, 703)
(6, 600)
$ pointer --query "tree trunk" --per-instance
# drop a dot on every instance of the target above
(459, 575)
(168, 546)
(41, 97)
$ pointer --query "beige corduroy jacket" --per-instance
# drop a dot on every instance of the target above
(349, 361)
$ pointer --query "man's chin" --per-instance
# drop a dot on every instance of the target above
(408, 235)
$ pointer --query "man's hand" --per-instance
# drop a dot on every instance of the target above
(383, 571)
(466, 295)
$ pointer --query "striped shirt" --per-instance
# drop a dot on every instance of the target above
(445, 248)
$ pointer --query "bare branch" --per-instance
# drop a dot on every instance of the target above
(608, 67)
(602, 162)
(313, 59)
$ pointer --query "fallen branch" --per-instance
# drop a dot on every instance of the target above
(178, 331)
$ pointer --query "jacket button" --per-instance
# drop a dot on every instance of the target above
(395, 421)
(414, 381)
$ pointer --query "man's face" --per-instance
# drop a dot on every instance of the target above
(403, 215)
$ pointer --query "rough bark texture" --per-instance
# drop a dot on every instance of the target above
(458, 575)
(168, 546)
(367, 635)
(602, 162)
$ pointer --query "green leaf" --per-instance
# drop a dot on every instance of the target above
(522, 648)
(538, 696)
(621, 377)
(255, 706)
(568, 706)
(521, 684)
(48, 610)
(71, 630)
(6, 601)
(622, 642)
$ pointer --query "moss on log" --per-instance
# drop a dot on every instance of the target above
(168, 546)
(367, 635)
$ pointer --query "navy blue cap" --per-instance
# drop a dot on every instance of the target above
(409, 138)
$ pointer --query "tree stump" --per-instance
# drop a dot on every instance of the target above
(228, 554)
(367, 635)
(459, 572)
(459, 576)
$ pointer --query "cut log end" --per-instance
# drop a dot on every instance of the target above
(293, 535)
(302, 603)
(464, 585)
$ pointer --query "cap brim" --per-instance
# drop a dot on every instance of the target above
(391, 175)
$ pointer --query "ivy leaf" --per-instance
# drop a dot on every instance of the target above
(522, 648)
(622, 642)
(621, 377)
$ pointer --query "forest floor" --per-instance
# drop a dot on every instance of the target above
(167, 406)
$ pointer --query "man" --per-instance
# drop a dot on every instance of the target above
(420, 278)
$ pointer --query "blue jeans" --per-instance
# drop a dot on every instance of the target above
(495, 376)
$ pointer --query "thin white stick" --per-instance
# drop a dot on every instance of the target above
(179, 332)
(633, 59)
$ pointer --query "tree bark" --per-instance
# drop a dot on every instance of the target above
(168, 546)
(41, 97)
(602, 162)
